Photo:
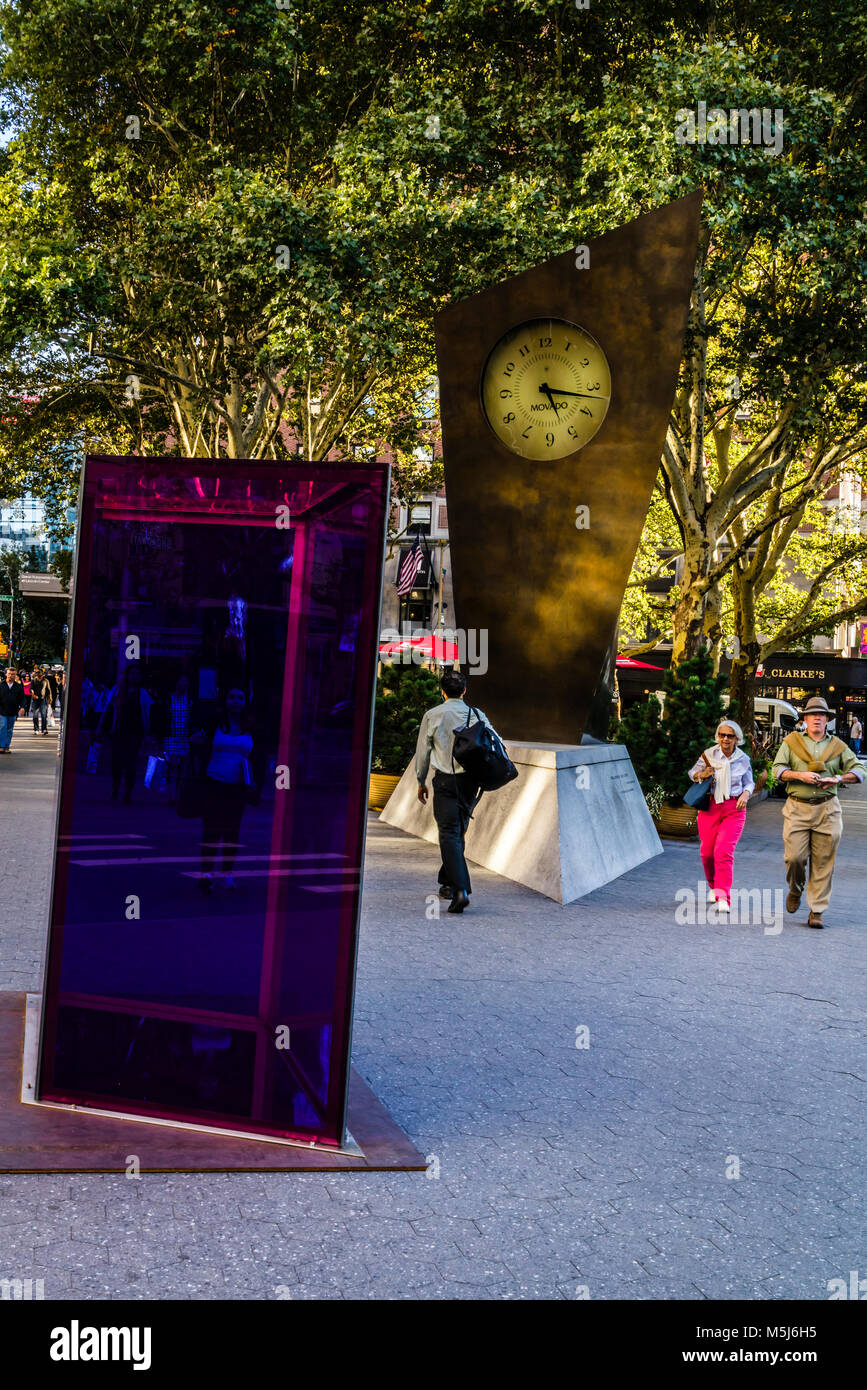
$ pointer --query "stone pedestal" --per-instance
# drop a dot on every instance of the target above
(574, 819)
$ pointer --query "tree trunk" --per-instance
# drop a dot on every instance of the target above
(741, 685)
(688, 619)
(747, 650)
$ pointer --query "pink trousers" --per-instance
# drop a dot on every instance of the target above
(719, 830)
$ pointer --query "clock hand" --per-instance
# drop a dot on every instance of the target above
(558, 392)
(543, 390)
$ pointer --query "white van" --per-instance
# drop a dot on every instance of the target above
(773, 716)
(777, 717)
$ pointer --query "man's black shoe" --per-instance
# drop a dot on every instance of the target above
(446, 891)
(460, 900)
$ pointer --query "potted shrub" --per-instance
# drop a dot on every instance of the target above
(403, 694)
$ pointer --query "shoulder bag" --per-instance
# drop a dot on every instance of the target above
(698, 794)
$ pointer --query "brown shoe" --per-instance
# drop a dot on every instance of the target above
(793, 901)
(815, 920)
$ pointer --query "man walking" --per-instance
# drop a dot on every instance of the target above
(40, 695)
(813, 765)
(856, 733)
(454, 793)
(11, 700)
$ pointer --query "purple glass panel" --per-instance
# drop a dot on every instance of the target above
(213, 796)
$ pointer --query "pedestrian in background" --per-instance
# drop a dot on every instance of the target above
(11, 701)
(170, 722)
(97, 706)
(454, 792)
(721, 825)
(231, 784)
(51, 677)
(41, 695)
(126, 720)
(856, 733)
(88, 694)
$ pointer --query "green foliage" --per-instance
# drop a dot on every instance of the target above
(403, 695)
(41, 631)
(664, 749)
(61, 565)
(256, 274)
(39, 622)
(640, 730)
(776, 323)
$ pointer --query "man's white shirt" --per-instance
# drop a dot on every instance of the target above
(436, 735)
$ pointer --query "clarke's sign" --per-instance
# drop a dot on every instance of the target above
(795, 673)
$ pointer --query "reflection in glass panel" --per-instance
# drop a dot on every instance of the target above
(213, 794)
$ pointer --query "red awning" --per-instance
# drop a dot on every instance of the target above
(426, 643)
(645, 665)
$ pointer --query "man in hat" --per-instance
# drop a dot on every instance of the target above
(812, 766)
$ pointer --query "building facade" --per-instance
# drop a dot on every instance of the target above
(22, 527)
(429, 605)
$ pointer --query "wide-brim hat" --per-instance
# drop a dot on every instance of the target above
(816, 705)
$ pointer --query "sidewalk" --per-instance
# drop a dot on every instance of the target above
(28, 790)
(553, 1168)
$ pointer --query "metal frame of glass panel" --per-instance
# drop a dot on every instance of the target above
(224, 1001)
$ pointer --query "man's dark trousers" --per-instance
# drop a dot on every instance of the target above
(453, 797)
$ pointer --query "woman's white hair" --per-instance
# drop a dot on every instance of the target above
(730, 724)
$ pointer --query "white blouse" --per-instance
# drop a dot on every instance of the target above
(740, 768)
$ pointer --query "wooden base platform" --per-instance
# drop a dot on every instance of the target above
(42, 1139)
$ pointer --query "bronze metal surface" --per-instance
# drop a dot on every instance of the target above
(548, 593)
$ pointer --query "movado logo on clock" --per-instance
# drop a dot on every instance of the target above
(546, 388)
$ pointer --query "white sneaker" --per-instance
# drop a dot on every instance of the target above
(711, 895)
(722, 905)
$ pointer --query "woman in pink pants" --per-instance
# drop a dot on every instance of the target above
(720, 826)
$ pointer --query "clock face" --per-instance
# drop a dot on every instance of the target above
(546, 388)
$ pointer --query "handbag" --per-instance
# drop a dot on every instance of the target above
(480, 752)
(155, 765)
(698, 794)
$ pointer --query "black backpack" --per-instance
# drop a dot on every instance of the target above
(480, 752)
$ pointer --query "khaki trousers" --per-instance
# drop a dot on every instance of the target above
(811, 831)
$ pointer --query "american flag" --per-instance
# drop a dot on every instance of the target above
(410, 568)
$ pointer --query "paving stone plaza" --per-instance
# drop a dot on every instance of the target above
(614, 1104)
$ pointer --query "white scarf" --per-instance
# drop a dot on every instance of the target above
(722, 787)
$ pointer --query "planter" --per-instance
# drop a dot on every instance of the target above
(382, 784)
(680, 822)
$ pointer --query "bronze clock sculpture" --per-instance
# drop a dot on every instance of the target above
(555, 393)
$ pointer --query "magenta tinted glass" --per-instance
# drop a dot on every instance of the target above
(212, 806)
